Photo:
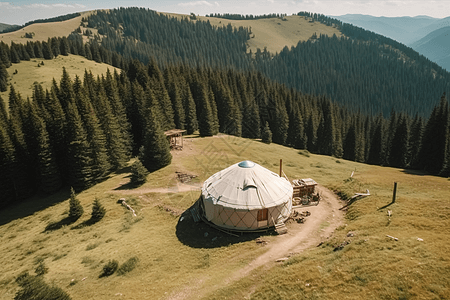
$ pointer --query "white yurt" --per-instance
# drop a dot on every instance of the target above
(246, 196)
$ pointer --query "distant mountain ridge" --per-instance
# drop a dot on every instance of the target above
(406, 30)
(415, 32)
(436, 45)
(6, 26)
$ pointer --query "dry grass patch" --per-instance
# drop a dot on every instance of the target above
(43, 31)
(29, 73)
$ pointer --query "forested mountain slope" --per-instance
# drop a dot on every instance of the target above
(365, 71)
(436, 46)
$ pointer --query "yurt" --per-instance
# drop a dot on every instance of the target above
(246, 197)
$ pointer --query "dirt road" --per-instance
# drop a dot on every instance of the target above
(324, 219)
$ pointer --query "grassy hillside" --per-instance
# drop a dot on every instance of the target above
(29, 73)
(274, 33)
(177, 257)
(43, 31)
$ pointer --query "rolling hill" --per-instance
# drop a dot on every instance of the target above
(29, 73)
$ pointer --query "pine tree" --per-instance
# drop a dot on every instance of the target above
(66, 94)
(174, 91)
(399, 152)
(98, 211)
(161, 95)
(7, 159)
(415, 141)
(205, 117)
(190, 111)
(116, 145)
(95, 135)
(37, 47)
(435, 138)
(327, 129)
(299, 136)
(47, 51)
(118, 109)
(350, 143)
(3, 78)
(64, 47)
(155, 151)
(377, 142)
(138, 173)
(266, 135)
(79, 161)
(15, 59)
(75, 208)
(56, 123)
(47, 176)
(54, 46)
(87, 51)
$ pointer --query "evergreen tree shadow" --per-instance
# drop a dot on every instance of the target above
(58, 225)
(202, 235)
(127, 186)
(86, 223)
(415, 172)
(32, 205)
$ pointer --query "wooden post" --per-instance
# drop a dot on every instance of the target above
(281, 166)
(395, 192)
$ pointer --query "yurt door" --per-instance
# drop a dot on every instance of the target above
(263, 216)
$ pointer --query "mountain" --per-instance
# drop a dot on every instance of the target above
(435, 46)
(6, 26)
(422, 33)
(403, 29)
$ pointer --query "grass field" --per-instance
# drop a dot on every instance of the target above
(178, 257)
(29, 73)
(43, 31)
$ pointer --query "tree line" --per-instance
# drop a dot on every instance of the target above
(244, 17)
(79, 131)
(363, 70)
(49, 20)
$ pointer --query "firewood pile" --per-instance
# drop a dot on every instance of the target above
(184, 178)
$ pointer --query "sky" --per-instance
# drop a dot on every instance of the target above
(20, 12)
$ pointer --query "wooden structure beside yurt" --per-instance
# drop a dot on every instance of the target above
(304, 187)
(175, 138)
(246, 197)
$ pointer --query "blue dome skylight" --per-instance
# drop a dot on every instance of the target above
(246, 164)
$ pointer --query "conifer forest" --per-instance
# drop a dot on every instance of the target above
(362, 97)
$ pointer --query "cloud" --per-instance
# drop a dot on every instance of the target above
(196, 3)
(8, 5)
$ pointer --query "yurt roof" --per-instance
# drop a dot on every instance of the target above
(247, 185)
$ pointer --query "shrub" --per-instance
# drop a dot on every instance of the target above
(98, 211)
(128, 266)
(138, 173)
(75, 208)
(34, 287)
(110, 267)
(41, 269)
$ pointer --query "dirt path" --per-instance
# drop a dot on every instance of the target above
(324, 219)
